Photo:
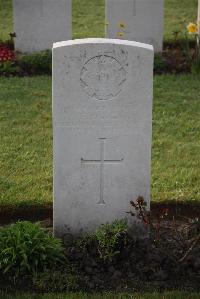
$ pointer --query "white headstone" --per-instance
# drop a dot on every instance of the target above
(138, 20)
(39, 23)
(102, 116)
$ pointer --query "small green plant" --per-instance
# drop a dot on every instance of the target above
(36, 63)
(160, 64)
(193, 56)
(86, 242)
(8, 68)
(111, 239)
(57, 280)
(26, 248)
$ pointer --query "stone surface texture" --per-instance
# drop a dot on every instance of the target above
(40, 23)
(137, 20)
(102, 123)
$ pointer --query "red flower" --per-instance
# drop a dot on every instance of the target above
(6, 54)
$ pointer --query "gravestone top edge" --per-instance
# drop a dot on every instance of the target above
(102, 41)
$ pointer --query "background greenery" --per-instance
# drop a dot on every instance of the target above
(88, 17)
(26, 139)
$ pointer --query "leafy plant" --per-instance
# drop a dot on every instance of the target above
(8, 68)
(7, 60)
(56, 280)
(26, 248)
(160, 64)
(111, 238)
(36, 63)
(86, 242)
(192, 56)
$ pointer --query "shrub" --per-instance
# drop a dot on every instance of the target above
(111, 238)
(26, 248)
(57, 280)
(9, 68)
(36, 63)
(106, 243)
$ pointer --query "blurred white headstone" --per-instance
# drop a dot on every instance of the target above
(137, 20)
(40, 23)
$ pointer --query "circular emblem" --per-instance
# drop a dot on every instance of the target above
(102, 77)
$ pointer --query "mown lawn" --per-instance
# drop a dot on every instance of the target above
(6, 24)
(166, 295)
(26, 140)
(88, 17)
(178, 13)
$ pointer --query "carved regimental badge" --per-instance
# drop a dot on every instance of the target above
(102, 77)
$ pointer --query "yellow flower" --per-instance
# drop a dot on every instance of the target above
(122, 25)
(120, 34)
(192, 28)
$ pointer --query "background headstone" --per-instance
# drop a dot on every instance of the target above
(102, 115)
(137, 20)
(39, 23)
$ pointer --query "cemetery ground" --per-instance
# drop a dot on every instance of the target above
(26, 147)
(95, 263)
(98, 264)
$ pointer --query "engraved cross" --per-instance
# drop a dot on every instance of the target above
(101, 162)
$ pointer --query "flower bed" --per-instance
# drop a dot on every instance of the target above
(174, 59)
(6, 54)
(112, 258)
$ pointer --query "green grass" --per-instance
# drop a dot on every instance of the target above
(178, 13)
(88, 17)
(176, 138)
(26, 135)
(167, 295)
(26, 140)
(6, 25)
